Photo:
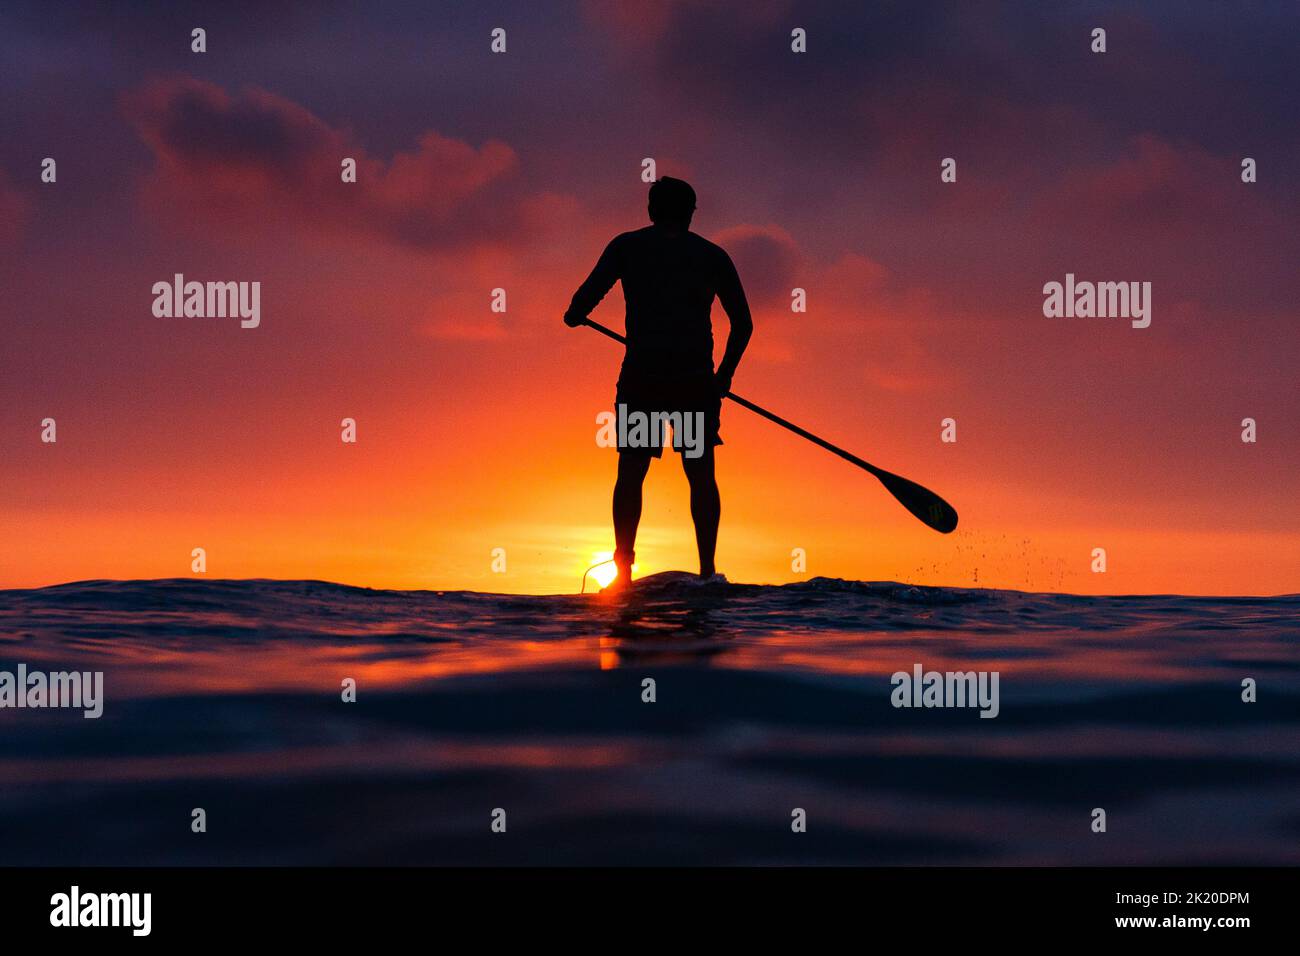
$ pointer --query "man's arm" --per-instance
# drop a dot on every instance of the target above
(598, 284)
(732, 296)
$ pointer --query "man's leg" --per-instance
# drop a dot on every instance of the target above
(632, 468)
(706, 507)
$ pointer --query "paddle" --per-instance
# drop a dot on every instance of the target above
(928, 507)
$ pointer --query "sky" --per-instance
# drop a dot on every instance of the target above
(819, 170)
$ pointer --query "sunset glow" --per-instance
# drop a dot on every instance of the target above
(475, 429)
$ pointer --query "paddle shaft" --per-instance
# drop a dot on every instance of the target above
(770, 416)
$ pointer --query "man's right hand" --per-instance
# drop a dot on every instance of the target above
(573, 321)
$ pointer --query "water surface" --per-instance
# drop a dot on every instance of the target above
(226, 695)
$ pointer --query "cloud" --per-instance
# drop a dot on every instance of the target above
(767, 259)
(1155, 186)
(462, 330)
(860, 316)
(237, 159)
(15, 209)
(630, 25)
(1015, 77)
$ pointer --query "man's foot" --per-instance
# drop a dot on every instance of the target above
(621, 581)
(713, 578)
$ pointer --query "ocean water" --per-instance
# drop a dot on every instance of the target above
(226, 696)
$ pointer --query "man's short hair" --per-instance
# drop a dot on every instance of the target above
(671, 201)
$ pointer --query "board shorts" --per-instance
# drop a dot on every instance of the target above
(654, 397)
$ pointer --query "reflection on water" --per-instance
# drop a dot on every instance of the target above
(226, 695)
(665, 624)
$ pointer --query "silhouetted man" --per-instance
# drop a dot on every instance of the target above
(670, 277)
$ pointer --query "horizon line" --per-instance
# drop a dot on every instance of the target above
(437, 590)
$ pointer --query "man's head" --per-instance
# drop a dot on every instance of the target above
(672, 203)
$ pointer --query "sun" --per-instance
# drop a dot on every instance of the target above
(605, 571)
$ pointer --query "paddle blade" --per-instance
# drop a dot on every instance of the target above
(922, 502)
